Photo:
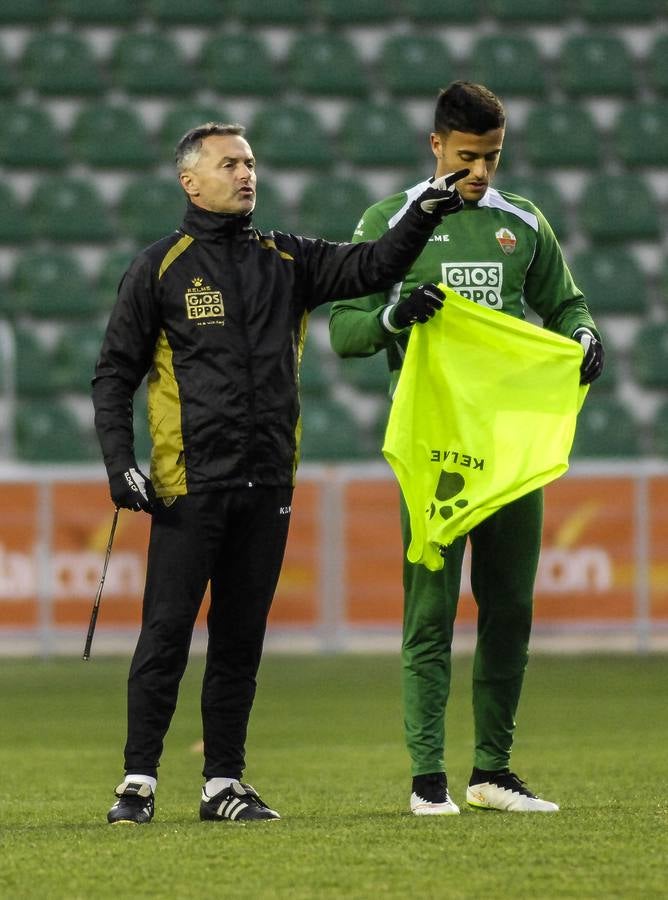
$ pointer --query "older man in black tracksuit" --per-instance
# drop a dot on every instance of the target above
(215, 315)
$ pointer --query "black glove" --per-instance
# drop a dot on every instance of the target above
(441, 198)
(594, 354)
(132, 490)
(420, 305)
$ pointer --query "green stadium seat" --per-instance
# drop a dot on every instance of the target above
(111, 137)
(239, 64)
(181, 118)
(379, 426)
(25, 12)
(657, 65)
(596, 65)
(510, 65)
(48, 432)
(150, 64)
(271, 212)
(194, 12)
(660, 431)
(433, 11)
(7, 76)
(150, 208)
(541, 191)
(347, 198)
(29, 139)
(14, 223)
(529, 12)
(560, 135)
(33, 366)
(313, 377)
(61, 64)
(369, 374)
(114, 266)
(605, 428)
(641, 134)
(378, 135)
(75, 356)
(69, 209)
(628, 11)
(51, 285)
(101, 12)
(325, 64)
(616, 208)
(608, 381)
(611, 280)
(272, 12)
(407, 64)
(329, 432)
(649, 355)
(289, 135)
(353, 12)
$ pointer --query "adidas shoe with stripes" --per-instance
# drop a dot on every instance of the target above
(135, 804)
(504, 791)
(237, 803)
(430, 796)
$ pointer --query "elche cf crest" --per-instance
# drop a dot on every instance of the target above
(507, 240)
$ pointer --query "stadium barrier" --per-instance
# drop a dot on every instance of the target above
(603, 577)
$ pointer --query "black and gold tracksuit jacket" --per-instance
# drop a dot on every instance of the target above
(215, 316)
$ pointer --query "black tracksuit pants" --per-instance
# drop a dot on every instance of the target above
(236, 540)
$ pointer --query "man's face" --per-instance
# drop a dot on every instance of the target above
(477, 152)
(223, 179)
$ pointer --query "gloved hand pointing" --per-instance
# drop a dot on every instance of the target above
(420, 305)
(132, 490)
(441, 198)
(594, 354)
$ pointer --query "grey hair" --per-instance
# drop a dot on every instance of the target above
(189, 147)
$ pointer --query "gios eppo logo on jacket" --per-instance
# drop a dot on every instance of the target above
(202, 302)
(479, 281)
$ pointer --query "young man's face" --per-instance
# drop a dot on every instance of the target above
(477, 152)
(223, 179)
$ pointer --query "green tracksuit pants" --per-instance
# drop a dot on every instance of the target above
(504, 559)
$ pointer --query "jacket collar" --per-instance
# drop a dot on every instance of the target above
(212, 226)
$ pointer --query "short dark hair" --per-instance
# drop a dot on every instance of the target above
(190, 145)
(468, 107)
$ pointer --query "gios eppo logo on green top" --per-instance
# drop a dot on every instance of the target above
(479, 281)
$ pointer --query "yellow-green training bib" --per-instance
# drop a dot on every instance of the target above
(484, 412)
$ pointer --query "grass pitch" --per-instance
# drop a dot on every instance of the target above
(325, 748)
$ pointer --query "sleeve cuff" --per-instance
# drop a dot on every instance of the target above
(385, 320)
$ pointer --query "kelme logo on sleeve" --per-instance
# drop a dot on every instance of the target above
(202, 302)
(479, 281)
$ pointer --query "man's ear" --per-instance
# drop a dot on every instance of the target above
(436, 144)
(189, 183)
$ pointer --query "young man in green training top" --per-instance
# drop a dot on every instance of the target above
(499, 251)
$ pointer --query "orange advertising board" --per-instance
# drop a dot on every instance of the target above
(600, 547)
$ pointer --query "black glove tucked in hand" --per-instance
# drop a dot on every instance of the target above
(441, 198)
(420, 305)
(594, 354)
(132, 490)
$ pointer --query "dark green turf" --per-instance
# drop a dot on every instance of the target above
(325, 749)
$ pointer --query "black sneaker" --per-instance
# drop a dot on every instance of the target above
(135, 804)
(430, 796)
(239, 802)
(504, 791)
